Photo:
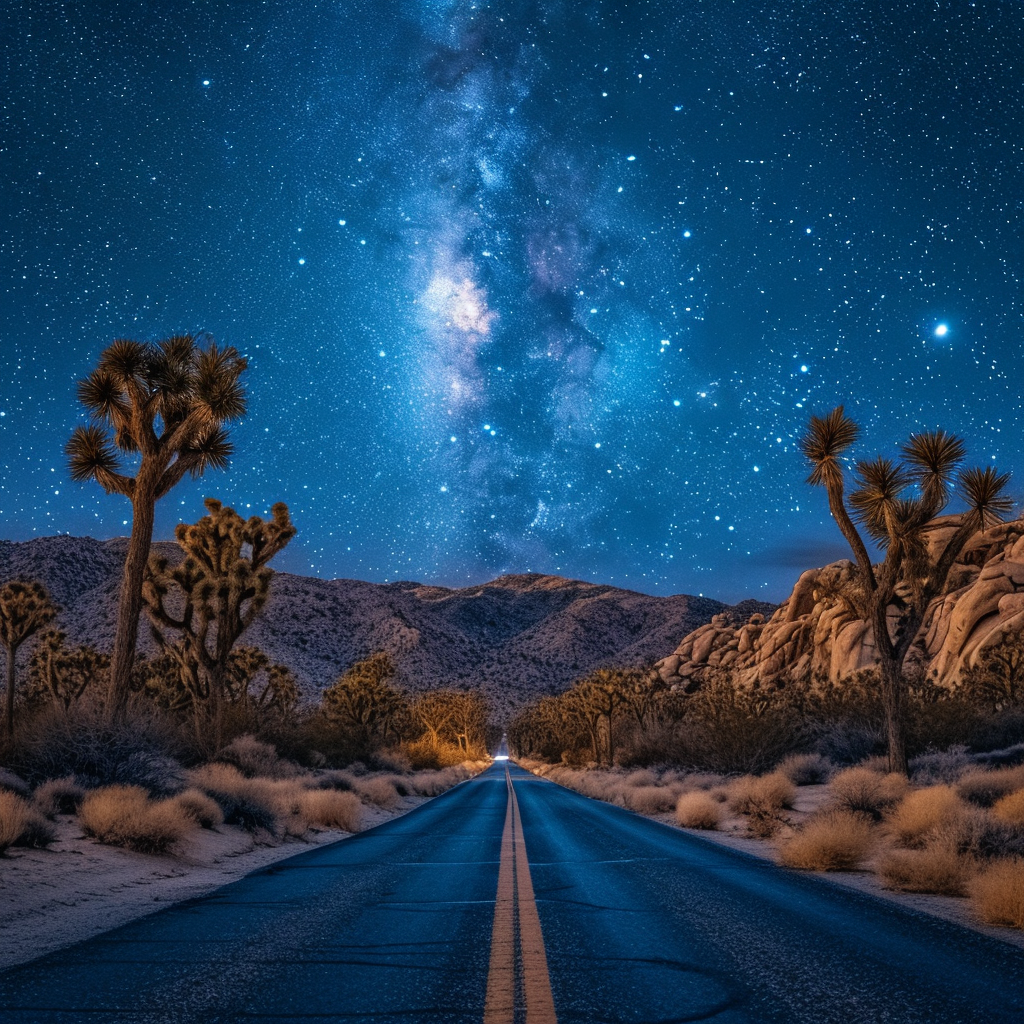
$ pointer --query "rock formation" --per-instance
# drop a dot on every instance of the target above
(815, 636)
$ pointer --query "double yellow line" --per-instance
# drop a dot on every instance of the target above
(516, 930)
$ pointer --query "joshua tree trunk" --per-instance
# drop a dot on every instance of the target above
(891, 657)
(130, 603)
(9, 715)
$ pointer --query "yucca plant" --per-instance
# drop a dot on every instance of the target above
(895, 501)
(199, 608)
(25, 608)
(160, 409)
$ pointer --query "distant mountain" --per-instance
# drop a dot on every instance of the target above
(516, 637)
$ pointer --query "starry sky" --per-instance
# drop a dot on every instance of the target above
(548, 286)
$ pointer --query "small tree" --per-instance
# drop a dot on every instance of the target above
(364, 703)
(164, 407)
(199, 608)
(61, 673)
(896, 502)
(25, 608)
(997, 677)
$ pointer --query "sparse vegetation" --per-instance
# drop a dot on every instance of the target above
(698, 810)
(59, 796)
(865, 790)
(21, 824)
(127, 816)
(835, 840)
(997, 893)
(938, 868)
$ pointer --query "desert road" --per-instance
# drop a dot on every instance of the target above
(512, 901)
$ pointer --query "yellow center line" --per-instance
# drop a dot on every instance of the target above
(514, 905)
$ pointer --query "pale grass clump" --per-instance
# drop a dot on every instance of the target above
(433, 783)
(21, 824)
(126, 816)
(868, 791)
(997, 893)
(641, 777)
(698, 809)
(986, 786)
(938, 868)
(923, 812)
(1010, 808)
(331, 808)
(202, 809)
(378, 790)
(256, 759)
(249, 803)
(59, 796)
(751, 794)
(834, 840)
(650, 799)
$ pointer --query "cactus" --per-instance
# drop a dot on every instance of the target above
(199, 608)
(25, 607)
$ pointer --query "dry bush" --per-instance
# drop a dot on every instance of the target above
(379, 791)
(331, 808)
(922, 812)
(243, 801)
(641, 777)
(650, 799)
(806, 769)
(126, 816)
(997, 893)
(941, 766)
(985, 787)
(1010, 808)
(698, 809)
(935, 869)
(834, 840)
(863, 790)
(435, 783)
(424, 755)
(14, 813)
(758, 793)
(256, 759)
(59, 796)
(202, 809)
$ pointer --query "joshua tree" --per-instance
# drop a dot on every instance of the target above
(997, 676)
(61, 673)
(434, 710)
(896, 503)
(199, 608)
(363, 701)
(25, 607)
(248, 665)
(163, 408)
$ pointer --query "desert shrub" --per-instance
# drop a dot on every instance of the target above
(435, 783)
(751, 793)
(936, 767)
(650, 799)
(938, 868)
(14, 784)
(986, 786)
(734, 738)
(641, 777)
(395, 761)
(243, 801)
(202, 809)
(834, 840)
(1010, 808)
(921, 812)
(997, 893)
(126, 816)
(379, 791)
(869, 792)
(136, 751)
(847, 741)
(698, 809)
(806, 769)
(424, 755)
(330, 808)
(335, 779)
(59, 796)
(1008, 756)
(254, 758)
(21, 824)
(762, 799)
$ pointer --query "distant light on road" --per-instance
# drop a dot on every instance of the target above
(501, 757)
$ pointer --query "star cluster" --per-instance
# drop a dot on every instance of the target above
(523, 286)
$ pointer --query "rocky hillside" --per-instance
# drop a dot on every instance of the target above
(814, 635)
(517, 637)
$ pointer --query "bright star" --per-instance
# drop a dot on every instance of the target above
(941, 330)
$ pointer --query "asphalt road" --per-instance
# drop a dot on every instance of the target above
(641, 924)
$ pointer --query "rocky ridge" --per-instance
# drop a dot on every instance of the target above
(517, 637)
(813, 635)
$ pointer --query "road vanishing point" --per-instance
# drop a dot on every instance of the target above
(510, 900)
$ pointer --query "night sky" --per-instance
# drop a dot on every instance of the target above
(523, 286)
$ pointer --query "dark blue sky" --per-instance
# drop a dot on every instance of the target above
(545, 286)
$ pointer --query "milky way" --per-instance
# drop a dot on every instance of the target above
(548, 287)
